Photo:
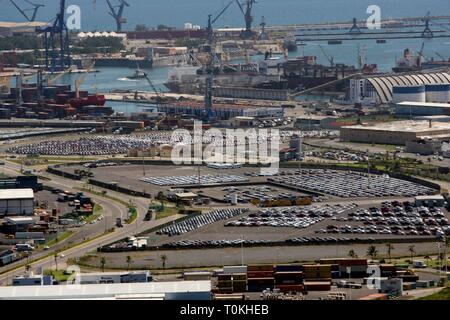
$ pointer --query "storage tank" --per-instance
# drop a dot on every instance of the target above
(438, 93)
(409, 93)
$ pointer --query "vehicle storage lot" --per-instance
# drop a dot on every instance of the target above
(246, 193)
(128, 175)
(334, 218)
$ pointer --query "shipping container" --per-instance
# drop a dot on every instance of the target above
(261, 281)
(235, 269)
(225, 284)
(239, 276)
(376, 296)
(288, 268)
(224, 277)
(317, 286)
(261, 274)
(290, 288)
(259, 268)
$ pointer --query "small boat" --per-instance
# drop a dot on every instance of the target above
(381, 40)
(138, 74)
(334, 41)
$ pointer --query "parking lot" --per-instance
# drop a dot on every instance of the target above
(202, 180)
(246, 194)
(347, 184)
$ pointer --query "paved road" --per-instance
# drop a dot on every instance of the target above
(112, 210)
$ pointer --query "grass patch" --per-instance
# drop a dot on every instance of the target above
(60, 275)
(444, 294)
(167, 212)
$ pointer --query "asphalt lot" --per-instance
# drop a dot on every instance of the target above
(236, 256)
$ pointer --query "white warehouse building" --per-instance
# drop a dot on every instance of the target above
(16, 202)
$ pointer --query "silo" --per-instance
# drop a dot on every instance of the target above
(438, 93)
(409, 93)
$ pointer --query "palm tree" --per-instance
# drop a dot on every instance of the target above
(372, 252)
(427, 258)
(55, 256)
(129, 262)
(412, 250)
(102, 263)
(390, 247)
(352, 254)
(163, 260)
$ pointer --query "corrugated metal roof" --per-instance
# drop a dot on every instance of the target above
(384, 84)
(7, 194)
(92, 291)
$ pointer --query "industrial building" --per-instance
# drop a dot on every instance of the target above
(380, 89)
(315, 122)
(9, 29)
(16, 202)
(397, 133)
(177, 290)
(115, 277)
(423, 147)
(413, 109)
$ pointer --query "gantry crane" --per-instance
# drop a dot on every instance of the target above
(247, 12)
(57, 35)
(209, 65)
(118, 15)
(34, 7)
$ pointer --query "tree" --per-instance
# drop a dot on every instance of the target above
(102, 263)
(412, 251)
(352, 254)
(129, 262)
(372, 252)
(27, 268)
(163, 261)
(390, 247)
(55, 256)
(428, 258)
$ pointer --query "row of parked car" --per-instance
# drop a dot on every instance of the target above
(394, 218)
(352, 184)
(295, 217)
(200, 221)
(212, 243)
(209, 179)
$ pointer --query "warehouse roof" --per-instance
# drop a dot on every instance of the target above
(105, 291)
(16, 194)
(33, 24)
(385, 84)
(424, 104)
(404, 126)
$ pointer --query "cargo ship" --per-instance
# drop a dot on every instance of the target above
(415, 62)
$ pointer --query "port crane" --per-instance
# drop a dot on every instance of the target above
(263, 35)
(56, 42)
(247, 12)
(209, 65)
(118, 15)
(329, 58)
(34, 6)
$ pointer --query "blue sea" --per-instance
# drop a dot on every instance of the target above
(177, 12)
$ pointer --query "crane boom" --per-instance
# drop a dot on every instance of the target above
(329, 58)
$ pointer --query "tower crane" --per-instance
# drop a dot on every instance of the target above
(118, 15)
(34, 7)
(247, 12)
